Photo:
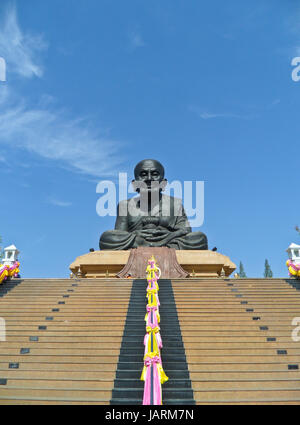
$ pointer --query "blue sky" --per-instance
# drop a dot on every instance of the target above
(94, 86)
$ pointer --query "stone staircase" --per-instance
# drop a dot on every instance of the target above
(128, 387)
(237, 338)
(226, 341)
(63, 340)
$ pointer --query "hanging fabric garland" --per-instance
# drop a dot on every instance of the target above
(294, 269)
(153, 374)
(7, 273)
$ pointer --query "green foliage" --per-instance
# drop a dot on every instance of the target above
(268, 272)
(242, 273)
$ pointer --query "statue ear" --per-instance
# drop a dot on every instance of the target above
(163, 184)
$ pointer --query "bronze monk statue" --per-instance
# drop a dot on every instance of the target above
(152, 218)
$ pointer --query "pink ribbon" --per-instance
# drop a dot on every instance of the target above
(157, 396)
(2, 270)
(151, 283)
(158, 341)
(154, 323)
(295, 267)
(151, 360)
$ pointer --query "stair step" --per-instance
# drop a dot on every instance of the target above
(138, 402)
(165, 357)
(174, 339)
(136, 374)
(176, 345)
(137, 393)
(140, 352)
(134, 383)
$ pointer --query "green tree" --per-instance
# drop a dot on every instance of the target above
(242, 273)
(268, 272)
(297, 229)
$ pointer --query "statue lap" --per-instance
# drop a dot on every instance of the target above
(123, 240)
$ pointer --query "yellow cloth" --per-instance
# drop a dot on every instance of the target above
(157, 315)
(155, 346)
(161, 373)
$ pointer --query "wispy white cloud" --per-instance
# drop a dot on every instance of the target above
(59, 203)
(18, 49)
(208, 115)
(46, 130)
(136, 40)
(273, 104)
(52, 136)
(205, 115)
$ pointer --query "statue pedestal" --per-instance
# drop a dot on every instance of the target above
(174, 264)
(166, 260)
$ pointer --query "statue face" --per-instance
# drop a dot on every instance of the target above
(149, 171)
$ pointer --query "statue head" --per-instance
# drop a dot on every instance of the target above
(148, 171)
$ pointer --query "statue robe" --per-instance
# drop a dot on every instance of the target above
(167, 214)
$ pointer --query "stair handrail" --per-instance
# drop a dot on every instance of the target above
(153, 374)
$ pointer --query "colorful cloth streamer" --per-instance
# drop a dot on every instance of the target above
(14, 270)
(7, 273)
(153, 272)
(152, 283)
(3, 273)
(152, 335)
(154, 319)
(294, 268)
(153, 300)
(159, 377)
(153, 341)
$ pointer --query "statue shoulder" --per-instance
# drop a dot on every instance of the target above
(126, 205)
(125, 202)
